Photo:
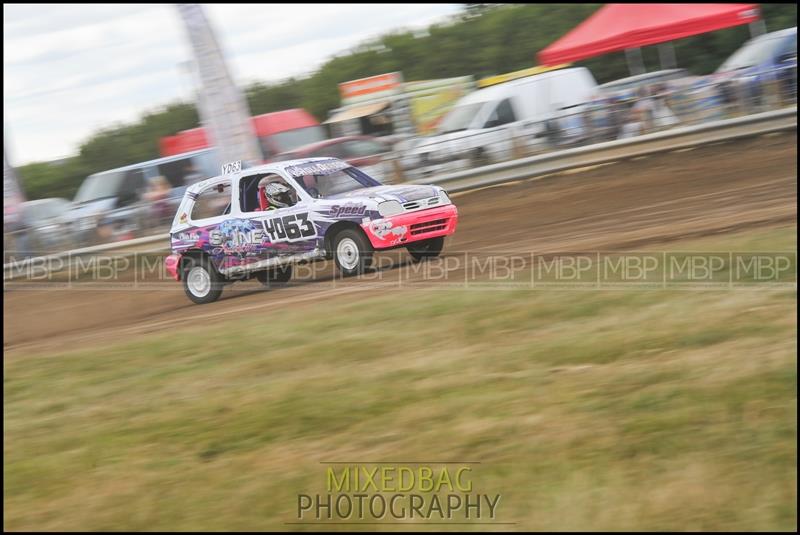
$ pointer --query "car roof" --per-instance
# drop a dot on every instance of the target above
(781, 33)
(769, 36)
(268, 167)
(498, 91)
(156, 161)
(36, 202)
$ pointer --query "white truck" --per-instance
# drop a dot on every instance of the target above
(482, 126)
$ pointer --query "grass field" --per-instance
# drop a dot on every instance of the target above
(624, 409)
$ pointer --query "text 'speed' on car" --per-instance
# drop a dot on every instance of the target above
(257, 222)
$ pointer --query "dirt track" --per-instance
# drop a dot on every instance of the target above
(714, 189)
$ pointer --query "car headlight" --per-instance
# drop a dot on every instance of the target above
(443, 198)
(390, 208)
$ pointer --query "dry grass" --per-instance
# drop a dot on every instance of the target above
(635, 409)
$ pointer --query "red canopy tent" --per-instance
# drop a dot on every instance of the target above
(616, 27)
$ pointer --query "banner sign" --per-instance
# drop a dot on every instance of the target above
(374, 87)
(223, 109)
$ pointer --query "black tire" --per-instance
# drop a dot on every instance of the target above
(430, 248)
(352, 252)
(277, 276)
(201, 281)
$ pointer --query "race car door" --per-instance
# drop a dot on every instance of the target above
(284, 219)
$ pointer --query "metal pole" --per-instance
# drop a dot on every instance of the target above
(757, 27)
(666, 54)
(635, 62)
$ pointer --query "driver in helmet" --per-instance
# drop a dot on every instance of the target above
(278, 196)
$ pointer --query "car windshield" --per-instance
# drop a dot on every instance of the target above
(755, 52)
(99, 186)
(340, 179)
(459, 118)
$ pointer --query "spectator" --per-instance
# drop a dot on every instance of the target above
(634, 125)
(662, 114)
(570, 125)
(634, 122)
(157, 196)
(727, 93)
(617, 114)
(551, 131)
(646, 106)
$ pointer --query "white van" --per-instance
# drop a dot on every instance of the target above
(480, 127)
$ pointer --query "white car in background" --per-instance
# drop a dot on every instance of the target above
(482, 127)
(42, 221)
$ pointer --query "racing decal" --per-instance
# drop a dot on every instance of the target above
(237, 236)
(292, 227)
(184, 218)
(317, 168)
(382, 228)
(348, 210)
(188, 236)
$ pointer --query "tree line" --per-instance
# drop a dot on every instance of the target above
(481, 40)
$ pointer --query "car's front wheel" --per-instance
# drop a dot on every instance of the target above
(201, 282)
(352, 252)
(429, 248)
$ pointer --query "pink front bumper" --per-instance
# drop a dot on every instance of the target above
(407, 228)
(171, 263)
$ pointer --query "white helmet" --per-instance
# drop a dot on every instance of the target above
(278, 195)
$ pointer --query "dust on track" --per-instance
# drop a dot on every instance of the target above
(630, 204)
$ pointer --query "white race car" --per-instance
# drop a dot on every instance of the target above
(257, 222)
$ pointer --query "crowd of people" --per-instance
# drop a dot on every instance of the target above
(655, 107)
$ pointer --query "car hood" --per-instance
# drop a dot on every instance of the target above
(401, 194)
(90, 208)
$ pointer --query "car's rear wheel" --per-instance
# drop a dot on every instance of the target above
(429, 248)
(352, 252)
(201, 282)
(277, 276)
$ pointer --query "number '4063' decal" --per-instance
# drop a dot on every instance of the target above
(290, 227)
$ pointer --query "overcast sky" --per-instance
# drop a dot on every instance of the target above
(72, 69)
